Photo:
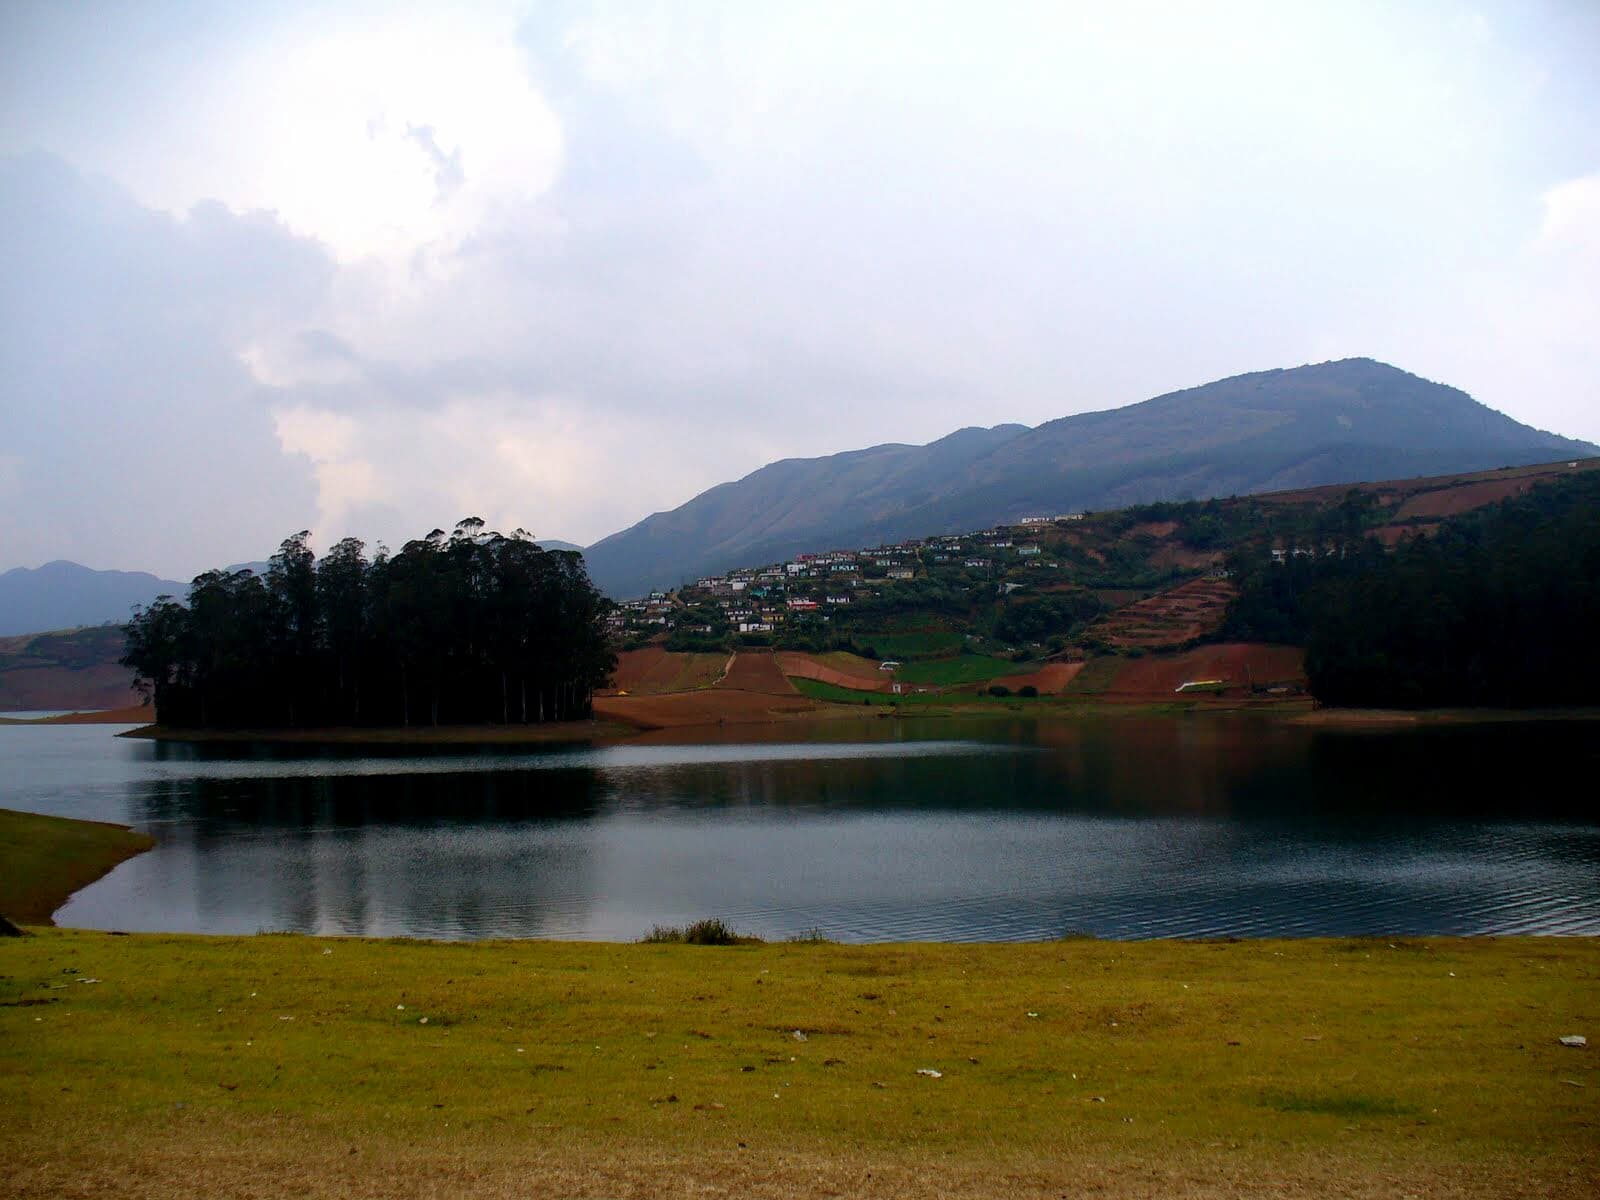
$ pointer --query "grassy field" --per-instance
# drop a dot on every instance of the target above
(927, 703)
(911, 645)
(46, 859)
(963, 668)
(273, 1065)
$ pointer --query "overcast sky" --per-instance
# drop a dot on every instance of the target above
(370, 268)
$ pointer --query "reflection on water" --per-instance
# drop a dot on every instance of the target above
(1122, 827)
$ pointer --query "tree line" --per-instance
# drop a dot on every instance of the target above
(468, 628)
(1496, 608)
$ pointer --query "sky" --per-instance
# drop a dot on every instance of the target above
(366, 269)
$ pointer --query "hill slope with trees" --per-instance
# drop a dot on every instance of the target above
(1336, 422)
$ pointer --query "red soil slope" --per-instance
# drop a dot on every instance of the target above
(710, 706)
(757, 672)
(857, 674)
(1450, 502)
(652, 671)
(103, 685)
(1050, 679)
(1235, 663)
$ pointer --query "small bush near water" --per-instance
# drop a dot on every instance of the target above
(710, 932)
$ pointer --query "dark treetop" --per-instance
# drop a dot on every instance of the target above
(474, 627)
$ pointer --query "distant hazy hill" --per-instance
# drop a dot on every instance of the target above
(63, 595)
(1332, 422)
(66, 595)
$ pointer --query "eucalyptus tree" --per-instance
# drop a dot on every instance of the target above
(466, 627)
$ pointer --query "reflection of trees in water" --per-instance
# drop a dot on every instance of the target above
(563, 849)
(461, 854)
(1119, 766)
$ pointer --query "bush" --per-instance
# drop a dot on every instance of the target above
(999, 690)
(812, 937)
(1028, 691)
(711, 932)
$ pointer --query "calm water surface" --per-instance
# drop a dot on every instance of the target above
(1120, 827)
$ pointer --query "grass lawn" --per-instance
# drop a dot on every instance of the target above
(43, 860)
(165, 1066)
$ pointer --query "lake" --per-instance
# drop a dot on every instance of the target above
(1121, 827)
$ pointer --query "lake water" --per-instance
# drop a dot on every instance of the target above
(1121, 827)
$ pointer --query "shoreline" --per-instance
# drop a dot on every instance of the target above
(50, 859)
(564, 733)
(602, 732)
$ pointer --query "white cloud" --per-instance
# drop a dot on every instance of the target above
(570, 272)
(1572, 216)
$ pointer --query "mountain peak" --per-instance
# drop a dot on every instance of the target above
(1340, 421)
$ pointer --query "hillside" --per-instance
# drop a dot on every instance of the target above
(1126, 604)
(1110, 588)
(1329, 423)
(74, 669)
(65, 595)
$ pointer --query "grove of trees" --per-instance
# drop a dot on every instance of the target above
(1497, 607)
(467, 628)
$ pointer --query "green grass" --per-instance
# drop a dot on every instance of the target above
(964, 668)
(817, 690)
(155, 1065)
(215, 1059)
(911, 645)
(43, 860)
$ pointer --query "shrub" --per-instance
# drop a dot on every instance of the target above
(812, 937)
(1028, 691)
(999, 690)
(712, 931)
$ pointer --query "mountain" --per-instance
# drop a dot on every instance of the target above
(64, 595)
(1336, 422)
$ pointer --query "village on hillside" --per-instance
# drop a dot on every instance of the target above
(766, 600)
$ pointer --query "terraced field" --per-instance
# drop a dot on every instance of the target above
(1171, 618)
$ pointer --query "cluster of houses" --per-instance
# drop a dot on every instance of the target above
(761, 600)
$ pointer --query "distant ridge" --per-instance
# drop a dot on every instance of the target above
(65, 595)
(1337, 422)
(68, 595)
